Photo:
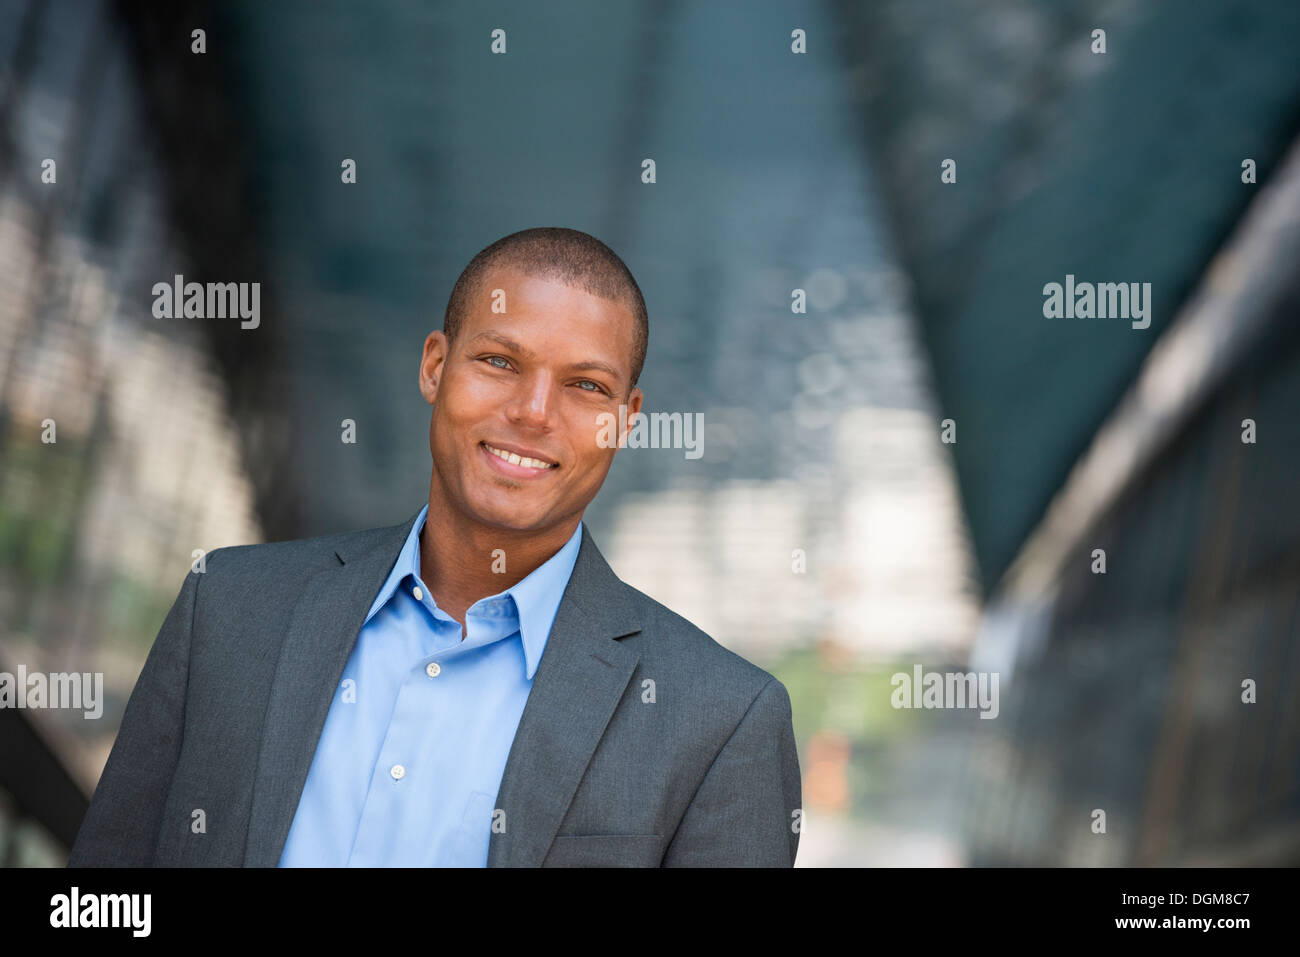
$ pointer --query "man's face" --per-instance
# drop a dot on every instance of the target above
(532, 381)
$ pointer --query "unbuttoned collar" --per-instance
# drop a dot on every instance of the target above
(536, 598)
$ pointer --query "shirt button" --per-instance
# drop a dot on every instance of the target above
(433, 669)
(419, 595)
(397, 771)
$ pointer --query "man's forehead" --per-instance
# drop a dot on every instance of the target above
(510, 279)
(609, 313)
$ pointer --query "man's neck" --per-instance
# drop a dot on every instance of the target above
(460, 561)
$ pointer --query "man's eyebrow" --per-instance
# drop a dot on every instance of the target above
(504, 341)
(593, 365)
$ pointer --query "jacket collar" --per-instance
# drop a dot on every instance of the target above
(536, 597)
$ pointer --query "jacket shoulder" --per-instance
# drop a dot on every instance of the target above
(669, 639)
(294, 556)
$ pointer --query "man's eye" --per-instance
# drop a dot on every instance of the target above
(504, 363)
(594, 386)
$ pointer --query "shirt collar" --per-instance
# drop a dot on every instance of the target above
(537, 596)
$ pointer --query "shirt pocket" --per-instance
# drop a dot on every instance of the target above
(605, 850)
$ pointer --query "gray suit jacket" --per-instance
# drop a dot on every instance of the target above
(230, 704)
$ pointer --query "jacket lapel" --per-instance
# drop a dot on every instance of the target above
(579, 682)
(322, 630)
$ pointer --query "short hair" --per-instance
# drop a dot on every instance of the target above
(568, 256)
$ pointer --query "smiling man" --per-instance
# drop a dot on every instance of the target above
(474, 686)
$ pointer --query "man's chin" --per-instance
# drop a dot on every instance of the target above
(511, 519)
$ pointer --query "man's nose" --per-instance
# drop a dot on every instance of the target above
(532, 402)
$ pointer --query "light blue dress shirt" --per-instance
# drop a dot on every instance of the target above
(410, 759)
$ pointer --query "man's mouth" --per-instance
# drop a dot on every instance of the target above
(518, 460)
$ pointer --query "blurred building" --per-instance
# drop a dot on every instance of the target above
(1162, 149)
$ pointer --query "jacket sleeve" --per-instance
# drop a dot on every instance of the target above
(121, 827)
(746, 812)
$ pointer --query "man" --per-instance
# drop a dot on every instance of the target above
(474, 686)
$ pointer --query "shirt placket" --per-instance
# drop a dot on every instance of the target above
(417, 706)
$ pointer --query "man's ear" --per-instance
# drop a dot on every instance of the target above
(436, 349)
(633, 405)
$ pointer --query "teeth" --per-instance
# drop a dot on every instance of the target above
(514, 459)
